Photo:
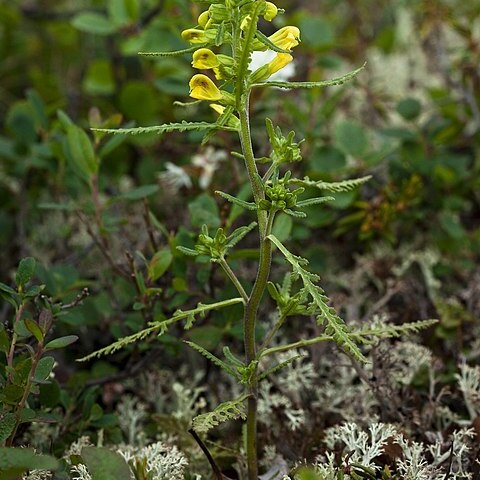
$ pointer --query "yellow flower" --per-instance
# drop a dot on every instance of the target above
(271, 12)
(194, 35)
(203, 18)
(281, 60)
(233, 121)
(218, 108)
(204, 58)
(202, 88)
(286, 38)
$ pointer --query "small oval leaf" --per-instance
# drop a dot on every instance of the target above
(61, 342)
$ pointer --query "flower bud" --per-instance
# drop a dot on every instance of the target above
(271, 12)
(203, 18)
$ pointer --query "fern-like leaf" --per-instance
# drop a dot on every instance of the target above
(343, 186)
(175, 53)
(237, 201)
(165, 128)
(210, 356)
(335, 326)
(325, 83)
(279, 366)
(392, 331)
(161, 327)
(231, 410)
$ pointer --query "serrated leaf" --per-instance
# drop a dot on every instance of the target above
(232, 410)
(25, 271)
(212, 358)
(61, 342)
(104, 464)
(187, 251)
(237, 201)
(343, 186)
(279, 366)
(325, 83)
(172, 54)
(160, 327)
(167, 127)
(313, 201)
(335, 326)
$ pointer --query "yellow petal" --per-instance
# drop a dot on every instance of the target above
(194, 35)
(203, 18)
(281, 60)
(204, 58)
(202, 88)
(286, 38)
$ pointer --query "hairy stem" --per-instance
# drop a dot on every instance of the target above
(251, 308)
(231, 275)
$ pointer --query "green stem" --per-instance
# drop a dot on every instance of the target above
(273, 331)
(298, 344)
(231, 275)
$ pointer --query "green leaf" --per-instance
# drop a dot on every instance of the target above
(325, 83)
(7, 289)
(81, 152)
(343, 186)
(34, 329)
(335, 327)
(226, 411)
(25, 271)
(161, 326)
(61, 342)
(204, 210)
(409, 108)
(212, 358)
(91, 22)
(172, 54)
(282, 227)
(44, 368)
(103, 464)
(351, 137)
(140, 192)
(26, 459)
(7, 424)
(167, 127)
(237, 201)
(159, 264)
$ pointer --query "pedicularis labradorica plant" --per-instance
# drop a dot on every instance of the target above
(226, 82)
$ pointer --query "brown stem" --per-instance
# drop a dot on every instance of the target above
(216, 470)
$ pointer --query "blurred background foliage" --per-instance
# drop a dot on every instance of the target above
(409, 239)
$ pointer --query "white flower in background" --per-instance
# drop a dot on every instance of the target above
(259, 59)
(175, 177)
(208, 161)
